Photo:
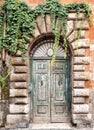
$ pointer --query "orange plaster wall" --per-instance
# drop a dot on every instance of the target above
(63, 1)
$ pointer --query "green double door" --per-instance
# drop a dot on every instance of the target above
(51, 91)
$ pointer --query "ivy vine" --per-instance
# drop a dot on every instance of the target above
(20, 21)
(4, 80)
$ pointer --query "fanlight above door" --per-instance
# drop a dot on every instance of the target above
(46, 49)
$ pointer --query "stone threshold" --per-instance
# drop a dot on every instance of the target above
(52, 126)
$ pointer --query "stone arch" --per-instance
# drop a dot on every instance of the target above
(44, 36)
(79, 72)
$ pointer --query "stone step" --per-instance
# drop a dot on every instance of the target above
(51, 126)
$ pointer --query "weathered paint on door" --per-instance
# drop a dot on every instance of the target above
(50, 91)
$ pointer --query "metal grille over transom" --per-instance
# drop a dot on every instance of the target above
(45, 49)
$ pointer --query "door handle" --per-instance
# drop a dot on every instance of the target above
(41, 83)
(51, 95)
(59, 83)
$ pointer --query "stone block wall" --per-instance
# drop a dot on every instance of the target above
(80, 73)
(19, 97)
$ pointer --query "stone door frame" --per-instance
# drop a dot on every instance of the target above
(39, 55)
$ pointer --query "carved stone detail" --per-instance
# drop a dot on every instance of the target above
(78, 100)
(18, 93)
(19, 109)
(12, 118)
(72, 16)
(81, 108)
(81, 60)
(82, 75)
(18, 77)
(81, 92)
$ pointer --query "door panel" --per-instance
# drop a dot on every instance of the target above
(50, 91)
(59, 87)
(58, 99)
(41, 109)
(41, 90)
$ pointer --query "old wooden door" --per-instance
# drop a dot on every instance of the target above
(51, 101)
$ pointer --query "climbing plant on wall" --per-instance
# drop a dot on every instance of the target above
(20, 21)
